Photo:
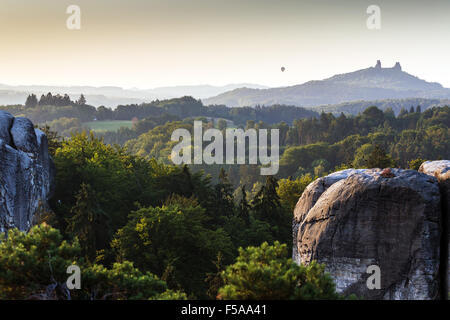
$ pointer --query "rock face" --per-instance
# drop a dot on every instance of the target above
(441, 170)
(26, 172)
(353, 219)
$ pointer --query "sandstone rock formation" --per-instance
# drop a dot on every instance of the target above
(441, 170)
(353, 219)
(26, 172)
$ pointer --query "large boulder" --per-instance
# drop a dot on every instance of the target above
(441, 170)
(26, 172)
(353, 219)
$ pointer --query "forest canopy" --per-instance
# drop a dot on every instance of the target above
(140, 227)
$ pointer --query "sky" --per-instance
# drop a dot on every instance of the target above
(152, 43)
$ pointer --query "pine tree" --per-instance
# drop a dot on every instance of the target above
(378, 158)
(81, 101)
(418, 109)
(42, 100)
(54, 141)
(31, 101)
(214, 279)
(268, 273)
(244, 207)
(49, 99)
(403, 112)
(266, 204)
(224, 196)
(87, 222)
(67, 101)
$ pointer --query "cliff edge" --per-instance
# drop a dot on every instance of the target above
(26, 172)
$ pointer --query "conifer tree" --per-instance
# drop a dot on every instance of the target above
(244, 207)
(31, 101)
(81, 101)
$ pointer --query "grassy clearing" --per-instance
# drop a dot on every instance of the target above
(103, 126)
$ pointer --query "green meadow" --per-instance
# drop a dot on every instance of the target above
(103, 126)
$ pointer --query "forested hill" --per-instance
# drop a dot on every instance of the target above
(372, 83)
(355, 107)
(320, 145)
(51, 107)
(111, 204)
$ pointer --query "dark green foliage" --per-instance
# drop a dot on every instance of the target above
(31, 101)
(267, 273)
(409, 136)
(98, 185)
(114, 179)
(173, 238)
(214, 279)
(88, 222)
(244, 206)
(266, 203)
(224, 201)
(81, 101)
(33, 265)
(266, 207)
(378, 159)
(154, 226)
(54, 141)
(56, 100)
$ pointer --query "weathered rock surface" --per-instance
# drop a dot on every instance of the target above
(352, 219)
(6, 121)
(26, 172)
(441, 170)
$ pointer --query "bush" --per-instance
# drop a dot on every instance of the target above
(266, 273)
(34, 265)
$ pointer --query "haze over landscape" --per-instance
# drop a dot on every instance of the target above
(369, 84)
(224, 150)
(149, 44)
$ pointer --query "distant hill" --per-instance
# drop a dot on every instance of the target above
(198, 92)
(113, 96)
(373, 83)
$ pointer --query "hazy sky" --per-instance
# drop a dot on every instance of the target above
(149, 43)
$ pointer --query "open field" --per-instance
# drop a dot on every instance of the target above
(103, 126)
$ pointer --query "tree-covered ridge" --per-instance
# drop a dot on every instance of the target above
(124, 212)
(356, 107)
(319, 145)
(142, 228)
(330, 142)
(50, 107)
